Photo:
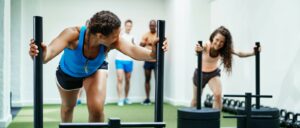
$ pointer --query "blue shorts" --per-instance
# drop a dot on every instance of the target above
(127, 66)
(149, 65)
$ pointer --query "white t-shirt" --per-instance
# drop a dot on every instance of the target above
(120, 55)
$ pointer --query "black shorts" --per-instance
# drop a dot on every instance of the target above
(68, 82)
(206, 76)
(149, 65)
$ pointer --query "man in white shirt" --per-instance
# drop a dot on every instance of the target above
(124, 66)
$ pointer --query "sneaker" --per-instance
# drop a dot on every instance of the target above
(127, 101)
(147, 102)
(121, 103)
(78, 102)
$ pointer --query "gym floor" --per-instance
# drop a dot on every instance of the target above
(127, 113)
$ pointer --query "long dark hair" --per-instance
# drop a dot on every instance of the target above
(227, 49)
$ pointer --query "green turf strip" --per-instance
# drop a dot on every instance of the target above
(127, 113)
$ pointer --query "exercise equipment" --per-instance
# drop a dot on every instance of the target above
(256, 116)
(252, 118)
(231, 107)
(198, 117)
(296, 123)
(283, 117)
(241, 104)
(159, 83)
(224, 102)
(258, 110)
(234, 108)
(208, 101)
(38, 72)
(226, 106)
(290, 119)
(112, 123)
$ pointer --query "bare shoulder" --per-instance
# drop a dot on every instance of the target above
(146, 35)
(206, 45)
(71, 31)
(117, 43)
(70, 34)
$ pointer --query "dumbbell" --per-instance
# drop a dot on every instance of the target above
(296, 121)
(290, 119)
(232, 106)
(240, 104)
(211, 102)
(283, 117)
(207, 102)
(224, 101)
(227, 105)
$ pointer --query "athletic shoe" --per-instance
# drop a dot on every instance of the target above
(121, 103)
(147, 102)
(127, 101)
(78, 102)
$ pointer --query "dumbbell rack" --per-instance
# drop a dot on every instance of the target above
(248, 115)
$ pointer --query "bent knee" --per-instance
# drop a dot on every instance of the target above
(67, 107)
(96, 113)
(218, 96)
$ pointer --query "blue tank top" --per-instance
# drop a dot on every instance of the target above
(75, 64)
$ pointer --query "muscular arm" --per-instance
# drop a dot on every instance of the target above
(134, 51)
(143, 41)
(60, 42)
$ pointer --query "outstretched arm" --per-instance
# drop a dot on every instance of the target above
(137, 52)
(245, 54)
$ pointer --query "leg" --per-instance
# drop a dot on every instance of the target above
(194, 100)
(147, 82)
(216, 87)
(120, 74)
(79, 97)
(68, 99)
(127, 83)
(95, 87)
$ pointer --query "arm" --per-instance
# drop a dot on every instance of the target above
(143, 41)
(132, 40)
(243, 54)
(134, 51)
(198, 48)
(56, 46)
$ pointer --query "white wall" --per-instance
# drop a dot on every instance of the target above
(188, 22)
(58, 15)
(5, 116)
(22, 65)
(275, 23)
(15, 51)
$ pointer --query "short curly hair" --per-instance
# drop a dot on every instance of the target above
(104, 22)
